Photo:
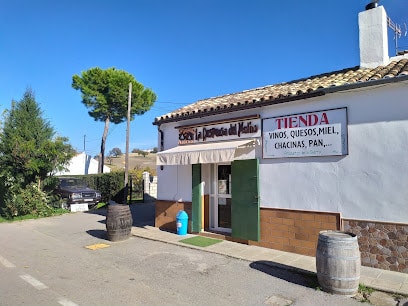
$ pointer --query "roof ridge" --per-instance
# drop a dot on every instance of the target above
(285, 91)
(281, 83)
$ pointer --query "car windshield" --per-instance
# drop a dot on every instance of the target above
(72, 182)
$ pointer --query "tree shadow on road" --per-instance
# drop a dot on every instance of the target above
(101, 234)
(142, 214)
(300, 277)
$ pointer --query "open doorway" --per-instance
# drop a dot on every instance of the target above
(220, 198)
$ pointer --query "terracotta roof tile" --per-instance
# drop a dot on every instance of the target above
(279, 92)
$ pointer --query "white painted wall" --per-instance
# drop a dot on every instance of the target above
(174, 182)
(370, 183)
(82, 164)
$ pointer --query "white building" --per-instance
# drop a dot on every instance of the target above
(82, 164)
(273, 166)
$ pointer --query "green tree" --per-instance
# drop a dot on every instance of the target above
(105, 94)
(29, 150)
(140, 152)
(115, 152)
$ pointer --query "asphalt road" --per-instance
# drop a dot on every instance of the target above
(46, 262)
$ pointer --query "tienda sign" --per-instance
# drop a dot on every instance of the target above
(321, 133)
(302, 120)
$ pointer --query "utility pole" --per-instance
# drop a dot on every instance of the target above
(84, 142)
(127, 143)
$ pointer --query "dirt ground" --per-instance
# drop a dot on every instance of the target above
(136, 161)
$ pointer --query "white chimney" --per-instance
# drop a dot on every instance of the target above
(373, 37)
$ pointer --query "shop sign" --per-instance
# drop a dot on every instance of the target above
(221, 131)
(322, 133)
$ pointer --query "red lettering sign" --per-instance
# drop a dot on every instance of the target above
(303, 120)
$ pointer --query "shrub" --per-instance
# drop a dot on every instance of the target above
(26, 201)
(109, 184)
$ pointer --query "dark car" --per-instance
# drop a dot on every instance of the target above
(75, 191)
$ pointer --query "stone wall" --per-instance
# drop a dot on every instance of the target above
(382, 245)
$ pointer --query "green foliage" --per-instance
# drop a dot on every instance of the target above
(26, 201)
(137, 174)
(50, 183)
(56, 212)
(363, 294)
(140, 152)
(155, 150)
(136, 179)
(28, 153)
(109, 184)
(100, 205)
(28, 149)
(105, 93)
(115, 152)
(364, 290)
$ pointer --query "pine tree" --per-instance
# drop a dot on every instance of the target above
(105, 94)
(28, 149)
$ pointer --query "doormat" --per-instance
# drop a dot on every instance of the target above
(200, 241)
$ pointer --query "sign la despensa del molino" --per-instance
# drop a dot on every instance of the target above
(234, 129)
(322, 133)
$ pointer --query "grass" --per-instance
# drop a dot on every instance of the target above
(56, 212)
(200, 241)
(364, 289)
(100, 205)
(364, 293)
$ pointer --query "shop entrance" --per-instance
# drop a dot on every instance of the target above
(220, 198)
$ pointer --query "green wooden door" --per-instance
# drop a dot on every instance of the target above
(245, 200)
(196, 199)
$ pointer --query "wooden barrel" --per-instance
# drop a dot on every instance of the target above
(338, 262)
(118, 222)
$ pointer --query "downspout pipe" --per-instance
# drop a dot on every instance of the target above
(161, 133)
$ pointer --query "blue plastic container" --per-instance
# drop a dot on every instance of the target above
(181, 222)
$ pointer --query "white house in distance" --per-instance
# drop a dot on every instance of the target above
(273, 166)
(82, 164)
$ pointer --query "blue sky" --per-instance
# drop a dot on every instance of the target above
(184, 50)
